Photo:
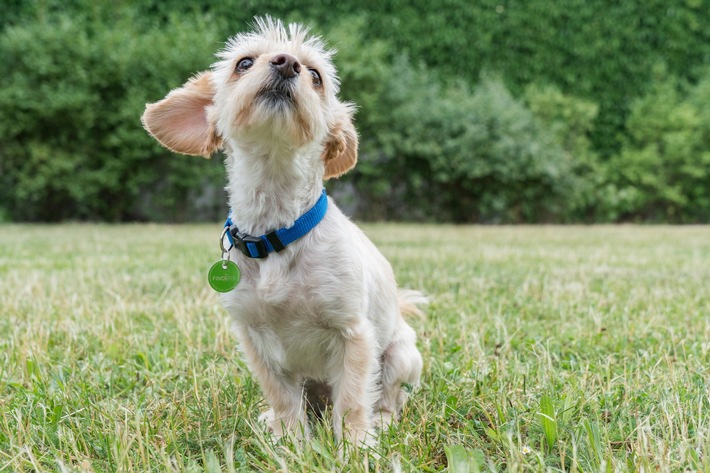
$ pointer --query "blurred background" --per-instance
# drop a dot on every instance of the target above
(504, 111)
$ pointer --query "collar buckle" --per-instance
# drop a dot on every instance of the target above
(251, 246)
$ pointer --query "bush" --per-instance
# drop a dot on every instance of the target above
(502, 163)
(571, 121)
(432, 150)
(70, 109)
(433, 144)
(663, 170)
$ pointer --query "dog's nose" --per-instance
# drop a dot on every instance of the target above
(287, 65)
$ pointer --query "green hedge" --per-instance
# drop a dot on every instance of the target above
(469, 112)
(70, 106)
(663, 170)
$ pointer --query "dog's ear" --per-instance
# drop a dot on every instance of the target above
(340, 146)
(180, 121)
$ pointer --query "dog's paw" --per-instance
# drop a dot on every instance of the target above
(279, 427)
(267, 418)
(359, 445)
(361, 438)
(382, 419)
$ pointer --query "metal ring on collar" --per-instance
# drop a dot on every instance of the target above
(221, 241)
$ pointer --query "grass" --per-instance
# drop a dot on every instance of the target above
(546, 348)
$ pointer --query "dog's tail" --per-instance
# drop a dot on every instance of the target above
(410, 303)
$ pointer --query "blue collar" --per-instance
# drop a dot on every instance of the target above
(277, 240)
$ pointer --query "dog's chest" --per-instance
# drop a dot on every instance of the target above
(288, 318)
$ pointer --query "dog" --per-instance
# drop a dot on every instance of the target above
(320, 318)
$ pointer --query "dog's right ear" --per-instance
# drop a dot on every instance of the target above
(180, 121)
(340, 147)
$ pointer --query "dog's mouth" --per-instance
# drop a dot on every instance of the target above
(279, 93)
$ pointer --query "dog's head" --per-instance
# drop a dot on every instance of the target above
(272, 88)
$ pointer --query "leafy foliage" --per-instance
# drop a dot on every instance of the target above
(571, 122)
(435, 150)
(485, 158)
(69, 119)
(664, 166)
(485, 112)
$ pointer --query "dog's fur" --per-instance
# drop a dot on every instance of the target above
(323, 317)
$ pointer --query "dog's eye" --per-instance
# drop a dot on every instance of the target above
(316, 77)
(244, 64)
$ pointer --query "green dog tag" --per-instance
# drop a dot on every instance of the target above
(223, 276)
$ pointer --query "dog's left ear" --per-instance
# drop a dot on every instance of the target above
(180, 121)
(340, 146)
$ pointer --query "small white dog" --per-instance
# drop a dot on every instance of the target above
(320, 315)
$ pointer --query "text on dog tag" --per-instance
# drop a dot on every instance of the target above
(223, 276)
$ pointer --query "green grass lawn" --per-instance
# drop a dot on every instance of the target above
(545, 348)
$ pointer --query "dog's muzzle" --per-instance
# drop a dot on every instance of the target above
(285, 69)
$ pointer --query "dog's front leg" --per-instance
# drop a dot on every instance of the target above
(353, 385)
(287, 414)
